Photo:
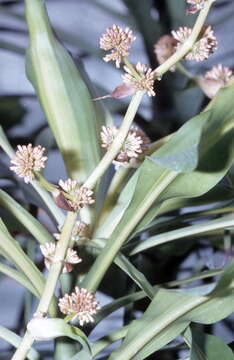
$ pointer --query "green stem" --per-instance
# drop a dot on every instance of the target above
(185, 72)
(117, 143)
(188, 44)
(51, 282)
(131, 68)
(44, 183)
(49, 202)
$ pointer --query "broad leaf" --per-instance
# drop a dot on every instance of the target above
(170, 310)
(207, 347)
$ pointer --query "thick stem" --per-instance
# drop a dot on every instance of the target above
(51, 282)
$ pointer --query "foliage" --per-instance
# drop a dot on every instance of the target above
(135, 224)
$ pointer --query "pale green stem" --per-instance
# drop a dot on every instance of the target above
(4, 143)
(51, 282)
(185, 72)
(49, 202)
(103, 261)
(188, 44)
(117, 143)
(131, 68)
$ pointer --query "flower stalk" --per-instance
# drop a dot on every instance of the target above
(51, 282)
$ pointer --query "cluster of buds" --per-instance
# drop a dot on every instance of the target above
(143, 81)
(215, 79)
(134, 145)
(201, 50)
(71, 196)
(203, 47)
(118, 41)
(49, 249)
(139, 78)
(195, 5)
(82, 304)
(80, 233)
(27, 161)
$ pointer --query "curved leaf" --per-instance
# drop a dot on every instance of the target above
(170, 311)
(57, 328)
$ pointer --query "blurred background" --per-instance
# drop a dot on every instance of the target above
(79, 24)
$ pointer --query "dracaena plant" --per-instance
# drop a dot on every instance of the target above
(114, 223)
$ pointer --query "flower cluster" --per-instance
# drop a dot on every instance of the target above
(77, 196)
(214, 79)
(195, 5)
(82, 303)
(118, 41)
(80, 232)
(27, 160)
(219, 73)
(48, 250)
(165, 48)
(144, 81)
(203, 48)
(134, 145)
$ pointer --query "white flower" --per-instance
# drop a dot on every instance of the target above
(144, 81)
(28, 159)
(48, 250)
(78, 196)
(118, 41)
(82, 303)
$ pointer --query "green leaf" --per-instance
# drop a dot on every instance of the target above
(25, 218)
(137, 276)
(170, 311)
(57, 328)
(19, 277)
(15, 340)
(216, 151)
(10, 249)
(208, 347)
(181, 153)
(152, 185)
(63, 95)
(204, 227)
